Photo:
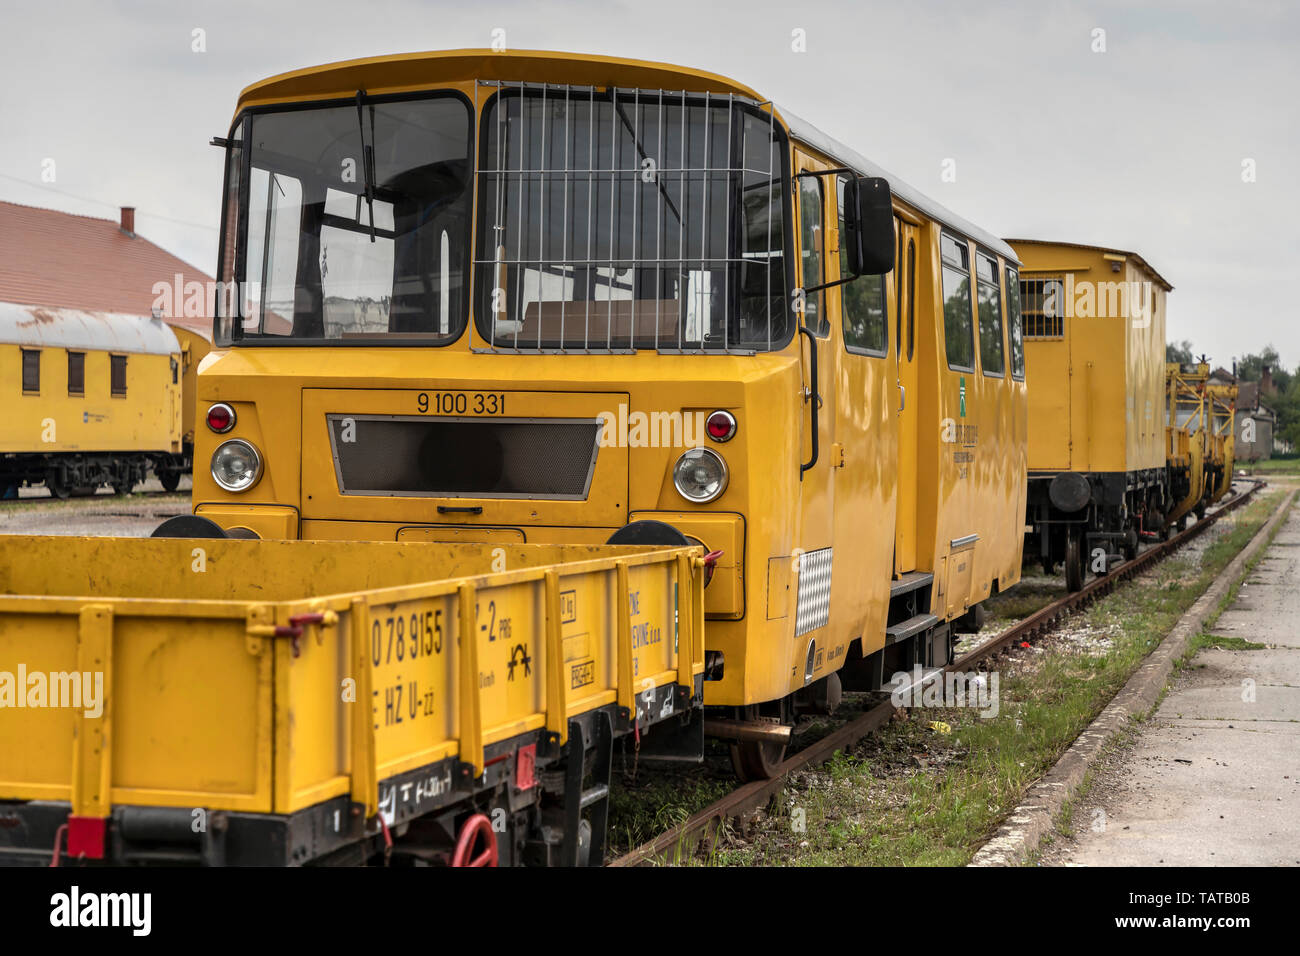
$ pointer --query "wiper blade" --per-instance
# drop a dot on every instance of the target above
(367, 159)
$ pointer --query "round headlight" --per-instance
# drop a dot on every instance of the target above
(700, 475)
(236, 465)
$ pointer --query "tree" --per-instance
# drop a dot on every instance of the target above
(1251, 367)
(1180, 352)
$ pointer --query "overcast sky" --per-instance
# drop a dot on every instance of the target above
(1138, 147)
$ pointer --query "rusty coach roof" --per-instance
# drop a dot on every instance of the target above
(34, 326)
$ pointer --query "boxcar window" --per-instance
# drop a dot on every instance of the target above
(988, 288)
(1043, 303)
(117, 374)
(810, 251)
(1015, 335)
(862, 301)
(31, 370)
(76, 373)
(958, 326)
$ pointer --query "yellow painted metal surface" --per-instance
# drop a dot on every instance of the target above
(957, 439)
(194, 348)
(1223, 418)
(425, 651)
(1097, 387)
(1188, 422)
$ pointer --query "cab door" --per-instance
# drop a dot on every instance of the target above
(906, 362)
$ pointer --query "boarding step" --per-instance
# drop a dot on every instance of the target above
(911, 581)
(910, 628)
(593, 795)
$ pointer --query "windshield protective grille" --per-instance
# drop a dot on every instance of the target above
(625, 219)
(464, 457)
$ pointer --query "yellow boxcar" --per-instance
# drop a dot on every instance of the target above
(93, 398)
(576, 297)
(285, 702)
(1095, 348)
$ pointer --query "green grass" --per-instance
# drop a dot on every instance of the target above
(1281, 465)
(909, 796)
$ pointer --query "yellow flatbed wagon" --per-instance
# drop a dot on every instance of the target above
(263, 702)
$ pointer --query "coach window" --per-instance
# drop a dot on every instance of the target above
(989, 291)
(76, 373)
(810, 243)
(30, 371)
(117, 371)
(958, 325)
(862, 301)
(1014, 333)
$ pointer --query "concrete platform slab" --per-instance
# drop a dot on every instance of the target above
(1213, 778)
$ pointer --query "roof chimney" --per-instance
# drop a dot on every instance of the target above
(128, 220)
(1266, 381)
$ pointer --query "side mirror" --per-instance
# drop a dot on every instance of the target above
(868, 226)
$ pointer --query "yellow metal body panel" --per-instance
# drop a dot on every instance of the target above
(146, 418)
(202, 705)
(1190, 439)
(194, 348)
(849, 502)
(1097, 388)
(1223, 418)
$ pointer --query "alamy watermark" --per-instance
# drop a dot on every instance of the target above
(976, 689)
(75, 689)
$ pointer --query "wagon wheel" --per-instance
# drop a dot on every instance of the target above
(58, 489)
(1073, 560)
(1130, 545)
(170, 480)
(753, 759)
(475, 827)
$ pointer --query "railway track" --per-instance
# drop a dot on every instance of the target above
(751, 796)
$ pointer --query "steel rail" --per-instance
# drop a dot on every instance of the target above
(755, 794)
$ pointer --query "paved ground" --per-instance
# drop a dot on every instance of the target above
(104, 513)
(1214, 778)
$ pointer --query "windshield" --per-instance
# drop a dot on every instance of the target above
(355, 222)
(630, 219)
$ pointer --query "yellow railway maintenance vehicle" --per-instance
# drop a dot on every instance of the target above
(508, 297)
(1188, 431)
(290, 703)
(92, 398)
(1222, 400)
(1095, 348)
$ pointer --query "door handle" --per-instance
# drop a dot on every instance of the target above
(814, 396)
(902, 397)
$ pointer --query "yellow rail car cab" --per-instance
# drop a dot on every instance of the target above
(1095, 347)
(195, 344)
(1187, 414)
(575, 299)
(330, 701)
(1223, 413)
(92, 398)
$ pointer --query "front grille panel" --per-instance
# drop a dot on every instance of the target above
(396, 455)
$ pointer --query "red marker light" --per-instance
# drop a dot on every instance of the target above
(721, 426)
(221, 418)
